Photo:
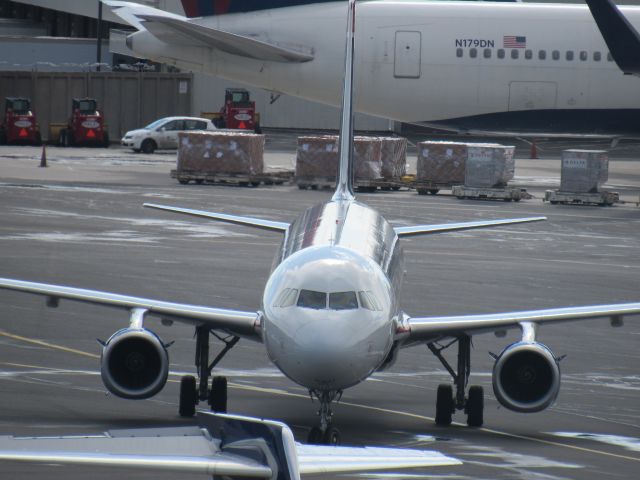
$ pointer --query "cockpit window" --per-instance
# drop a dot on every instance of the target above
(369, 301)
(311, 299)
(286, 298)
(343, 301)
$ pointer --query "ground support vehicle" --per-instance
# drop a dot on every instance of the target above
(570, 198)
(242, 180)
(507, 194)
(86, 125)
(238, 112)
(424, 187)
(19, 125)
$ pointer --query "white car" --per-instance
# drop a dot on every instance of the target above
(163, 133)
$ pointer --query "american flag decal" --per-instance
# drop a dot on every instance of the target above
(512, 41)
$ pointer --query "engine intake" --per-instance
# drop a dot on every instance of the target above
(526, 377)
(134, 364)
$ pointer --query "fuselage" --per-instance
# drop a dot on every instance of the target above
(460, 64)
(330, 307)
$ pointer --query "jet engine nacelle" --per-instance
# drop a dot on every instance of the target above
(526, 377)
(134, 364)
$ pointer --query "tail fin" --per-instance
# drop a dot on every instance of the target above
(205, 8)
(344, 185)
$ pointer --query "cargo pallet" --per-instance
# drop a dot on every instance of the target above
(571, 198)
(242, 180)
(506, 194)
(364, 186)
(425, 186)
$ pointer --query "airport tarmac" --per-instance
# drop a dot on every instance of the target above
(80, 222)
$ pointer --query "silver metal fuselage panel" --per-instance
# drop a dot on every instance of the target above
(338, 246)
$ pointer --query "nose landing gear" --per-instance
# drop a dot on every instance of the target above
(325, 433)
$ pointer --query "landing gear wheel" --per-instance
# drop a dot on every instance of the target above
(148, 146)
(188, 396)
(218, 395)
(315, 436)
(444, 405)
(475, 406)
(331, 437)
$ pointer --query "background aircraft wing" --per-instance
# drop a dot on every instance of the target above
(241, 323)
(224, 217)
(452, 227)
(177, 30)
(429, 328)
(620, 36)
(221, 445)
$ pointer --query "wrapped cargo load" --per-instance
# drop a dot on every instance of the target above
(394, 157)
(220, 153)
(317, 158)
(489, 165)
(583, 171)
(441, 162)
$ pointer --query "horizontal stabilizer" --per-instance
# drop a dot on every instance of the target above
(620, 36)
(177, 30)
(223, 217)
(426, 328)
(453, 227)
(221, 445)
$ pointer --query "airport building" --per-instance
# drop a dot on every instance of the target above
(38, 39)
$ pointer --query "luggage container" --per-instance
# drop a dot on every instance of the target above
(489, 165)
(583, 171)
(440, 165)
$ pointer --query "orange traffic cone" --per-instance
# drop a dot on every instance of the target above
(534, 151)
(43, 157)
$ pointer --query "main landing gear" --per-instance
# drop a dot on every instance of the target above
(192, 393)
(325, 434)
(446, 402)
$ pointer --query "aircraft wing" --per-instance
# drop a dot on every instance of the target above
(431, 328)
(178, 30)
(221, 445)
(620, 36)
(241, 323)
(452, 227)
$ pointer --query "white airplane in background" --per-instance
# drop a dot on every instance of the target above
(467, 66)
(330, 315)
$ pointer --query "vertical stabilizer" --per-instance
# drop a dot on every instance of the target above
(344, 185)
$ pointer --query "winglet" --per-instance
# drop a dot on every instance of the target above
(620, 36)
(344, 185)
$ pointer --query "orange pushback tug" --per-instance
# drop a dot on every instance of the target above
(19, 125)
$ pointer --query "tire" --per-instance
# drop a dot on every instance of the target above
(422, 191)
(475, 406)
(444, 405)
(255, 184)
(433, 191)
(105, 139)
(218, 395)
(148, 146)
(68, 138)
(3, 137)
(199, 181)
(183, 181)
(315, 436)
(258, 128)
(188, 396)
(331, 437)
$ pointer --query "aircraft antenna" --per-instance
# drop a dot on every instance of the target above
(344, 185)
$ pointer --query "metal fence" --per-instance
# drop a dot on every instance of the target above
(127, 100)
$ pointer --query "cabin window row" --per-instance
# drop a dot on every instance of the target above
(528, 54)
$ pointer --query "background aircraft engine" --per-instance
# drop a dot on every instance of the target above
(526, 377)
(134, 364)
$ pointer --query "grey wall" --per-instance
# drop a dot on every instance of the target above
(127, 100)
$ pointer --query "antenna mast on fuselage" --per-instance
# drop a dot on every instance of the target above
(344, 184)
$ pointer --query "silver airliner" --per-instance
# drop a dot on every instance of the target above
(330, 314)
